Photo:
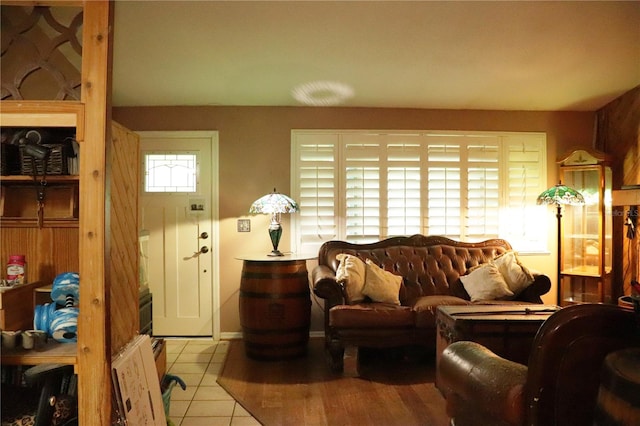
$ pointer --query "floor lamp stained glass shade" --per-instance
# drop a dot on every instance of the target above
(586, 255)
(558, 196)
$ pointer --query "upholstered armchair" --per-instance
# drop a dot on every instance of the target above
(559, 386)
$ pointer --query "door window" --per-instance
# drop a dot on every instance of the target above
(168, 172)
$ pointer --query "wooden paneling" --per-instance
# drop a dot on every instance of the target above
(49, 251)
(124, 259)
(618, 134)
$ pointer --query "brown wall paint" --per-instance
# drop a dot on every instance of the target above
(254, 157)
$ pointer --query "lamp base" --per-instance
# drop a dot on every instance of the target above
(275, 232)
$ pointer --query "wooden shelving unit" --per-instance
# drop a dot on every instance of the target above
(101, 242)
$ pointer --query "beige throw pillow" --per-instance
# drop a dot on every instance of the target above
(485, 282)
(380, 285)
(516, 275)
(351, 273)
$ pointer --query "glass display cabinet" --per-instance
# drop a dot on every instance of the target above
(586, 249)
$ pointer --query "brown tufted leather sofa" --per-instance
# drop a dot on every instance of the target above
(430, 266)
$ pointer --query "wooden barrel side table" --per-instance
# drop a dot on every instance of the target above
(275, 307)
(618, 400)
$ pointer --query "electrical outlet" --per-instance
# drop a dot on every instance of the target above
(244, 225)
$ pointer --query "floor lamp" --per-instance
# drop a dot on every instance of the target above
(559, 195)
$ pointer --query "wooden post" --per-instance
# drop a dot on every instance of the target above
(94, 357)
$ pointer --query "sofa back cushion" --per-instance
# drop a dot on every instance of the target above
(434, 263)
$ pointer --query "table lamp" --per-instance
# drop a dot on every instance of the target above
(559, 195)
(274, 204)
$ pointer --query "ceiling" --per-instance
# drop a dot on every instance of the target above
(519, 55)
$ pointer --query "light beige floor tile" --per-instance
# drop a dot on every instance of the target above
(178, 408)
(210, 408)
(194, 357)
(175, 345)
(174, 420)
(219, 357)
(177, 394)
(209, 379)
(189, 367)
(206, 421)
(200, 348)
(204, 402)
(223, 346)
(212, 393)
(214, 367)
(244, 421)
(202, 341)
(191, 379)
(239, 411)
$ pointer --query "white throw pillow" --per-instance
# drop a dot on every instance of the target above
(485, 282)
(351, 272)
(517, 276)
(380, 285)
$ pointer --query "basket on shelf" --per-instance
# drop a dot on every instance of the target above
(56, 164)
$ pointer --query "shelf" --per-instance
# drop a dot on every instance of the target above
(53, 352)
(582, 236)
(582, 298)
(583, 271)
(44, 114)
(19, 202)
(49, 179)
(14, 222)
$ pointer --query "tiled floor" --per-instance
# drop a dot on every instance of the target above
(204, 402)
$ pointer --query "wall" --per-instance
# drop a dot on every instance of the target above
(254, 157)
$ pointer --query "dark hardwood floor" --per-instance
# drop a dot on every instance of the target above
(388, 388)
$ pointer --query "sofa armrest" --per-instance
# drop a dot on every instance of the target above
(325, 284)
(541, 285)
(479, 384)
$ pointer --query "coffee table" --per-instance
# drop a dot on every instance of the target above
(507, 330)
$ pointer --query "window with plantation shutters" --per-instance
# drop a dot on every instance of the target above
(316, 178)
(363, 186)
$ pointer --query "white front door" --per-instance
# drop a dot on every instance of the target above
(178, 209)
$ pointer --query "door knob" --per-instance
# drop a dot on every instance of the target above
(204, 235)
(204, 249)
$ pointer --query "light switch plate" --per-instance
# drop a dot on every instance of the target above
(244, 225)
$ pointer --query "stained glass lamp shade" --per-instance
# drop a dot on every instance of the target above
(559, 195)
(274, 204)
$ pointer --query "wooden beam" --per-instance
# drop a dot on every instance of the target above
(94, 358)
